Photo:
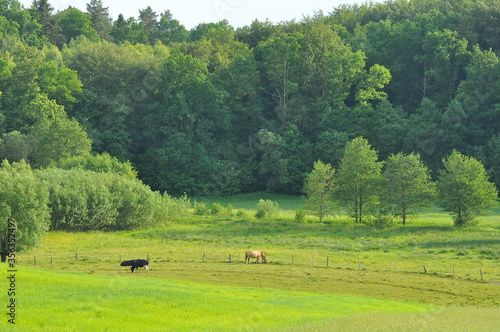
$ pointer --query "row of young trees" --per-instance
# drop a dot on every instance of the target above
(219, 111)
(401, 185)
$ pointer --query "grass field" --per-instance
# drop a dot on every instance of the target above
(335, 276)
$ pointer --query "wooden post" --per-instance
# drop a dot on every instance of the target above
(481, 273)
(76, 256)
(229, 258)
(425, 270)
(292, 260)
(359, 264)
(327, 259)
(453, 270)
(50, 260)
(203, 259)
(34, 260)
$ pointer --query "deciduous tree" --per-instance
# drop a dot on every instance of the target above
(408, 184)
(358, 178)
(319, 188)
(464, 189)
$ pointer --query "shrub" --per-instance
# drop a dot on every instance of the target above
(176, 207)
(266, 209)
(24, 198)
(300, 216)
(201, 209)
(216, 209)
(83, 200)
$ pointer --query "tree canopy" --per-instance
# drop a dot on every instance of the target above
(217, 111)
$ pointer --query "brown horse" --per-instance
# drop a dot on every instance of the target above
(255, 254)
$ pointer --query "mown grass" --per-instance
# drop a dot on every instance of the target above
(62, 301)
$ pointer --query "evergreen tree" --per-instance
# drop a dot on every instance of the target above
(100, 18)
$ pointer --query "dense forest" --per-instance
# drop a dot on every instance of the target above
(218, 111)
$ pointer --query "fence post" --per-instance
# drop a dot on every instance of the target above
(293, 261)
(34, 260)
(481, 273)
(453, 270)
(327, 261)
(203, 259)
(229, 258)
(76, 256)
(425, 270)
(50, 260)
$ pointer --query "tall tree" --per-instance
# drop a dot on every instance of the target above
(54, 135)
(408, 184)
(149, 21)
(319, 188)
(100, 18)
(74, 23)
(50, 26)
(170, 30)
(358, 178)
(464, 189)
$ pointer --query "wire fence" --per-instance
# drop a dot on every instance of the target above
(437, 267)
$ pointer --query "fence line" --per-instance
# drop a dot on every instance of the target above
(312, 261)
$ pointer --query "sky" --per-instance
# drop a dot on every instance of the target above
(190, 13)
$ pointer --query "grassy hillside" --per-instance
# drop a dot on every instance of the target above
(63, 301)
(429, 275)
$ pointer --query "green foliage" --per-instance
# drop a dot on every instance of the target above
(82, 200)
(54, 135)
(15, 147)
(266, 209)
(102, 163)
(176, 207)
(318, 187)
(300, 216)
(358, 178)
(201, 209)
(221, 111)
(24, 198)
(464, 189)
(408, 185)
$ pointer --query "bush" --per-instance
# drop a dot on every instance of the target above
(300, 216)
(24, 198)
(83, 200)
(201, 209)
(216, 209)
(243, 214)
(266, 209)
(176, 207)
(383, 221)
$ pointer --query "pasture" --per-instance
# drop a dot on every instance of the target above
(336, 276)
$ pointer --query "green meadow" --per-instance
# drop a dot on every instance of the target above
(66, 301)
(336, 276)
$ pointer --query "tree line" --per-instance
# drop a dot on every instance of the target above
(399, 186)
(218, 111)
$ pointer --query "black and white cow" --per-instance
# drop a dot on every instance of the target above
(135, 264)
